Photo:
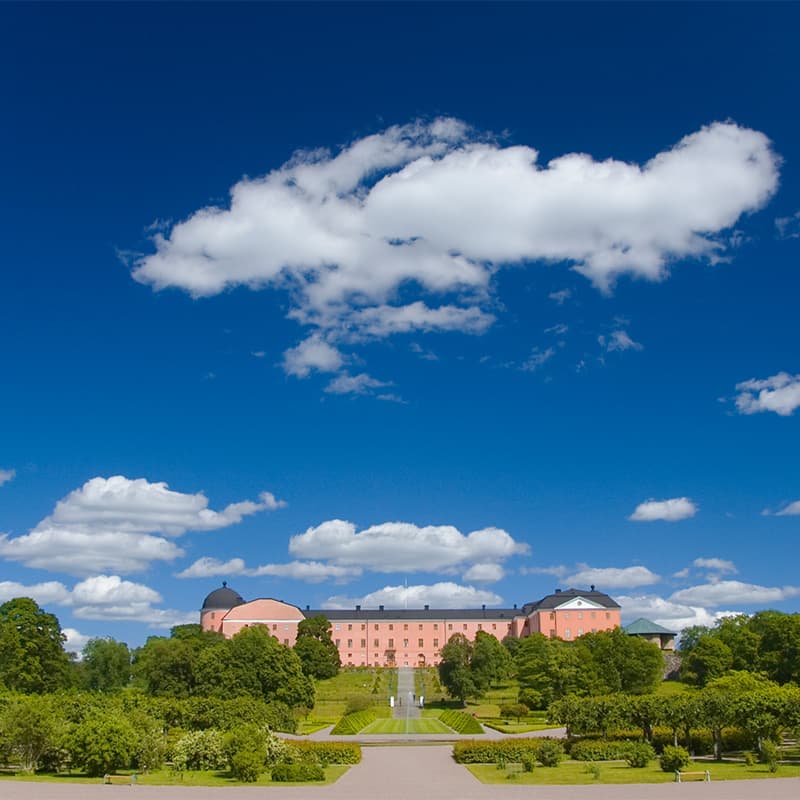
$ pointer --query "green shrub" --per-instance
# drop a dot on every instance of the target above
(472, 751)
(515, 710)
(294, 773)
(599, 749)
(460, 722)
(528, 763)
(325, 753)
(551, 752)
(674, 758)
(594, 770)
(749, 758)
(199, 750)
(532, 699)
(102, 744)
(769, 755)
(639, 754)
(247, 765)
(353, 723)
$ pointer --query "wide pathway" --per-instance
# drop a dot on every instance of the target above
(405, 705)
(401, 773)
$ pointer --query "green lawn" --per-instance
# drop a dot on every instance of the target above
(422, 725)
(166, 777)
(332, 694)
(570, 773)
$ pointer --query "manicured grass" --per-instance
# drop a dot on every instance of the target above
(311, 725)
(671, 688)
(514, 727)
(332, 694)
(422, 725)
(570, 773)
(166, 777)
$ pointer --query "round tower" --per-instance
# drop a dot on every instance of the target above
(217, 605)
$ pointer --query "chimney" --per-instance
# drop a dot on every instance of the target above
(483, 607)
(427, 607)
(591, 588)
(308, 608)
(358, 608)
(380, 608)
(515, 605)
(558, 591)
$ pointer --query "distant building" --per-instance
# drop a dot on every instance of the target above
(413, 637)
(652, 632)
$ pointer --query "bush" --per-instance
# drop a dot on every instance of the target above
(551, 752)
(594, 770)
(325, 753)
(515, 710)
(674, 758)
(293, 773)
(639, 754)
(353, 723)
(199, 750)
(528, 763)
(247, 765)
(532, 699)
(599, 749)
(769, 755)
(102, 744)
(460, 722)
(358, 702)
(472, 751)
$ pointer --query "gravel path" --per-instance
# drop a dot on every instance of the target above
(405, 773)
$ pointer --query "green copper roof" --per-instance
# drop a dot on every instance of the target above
(643, 627)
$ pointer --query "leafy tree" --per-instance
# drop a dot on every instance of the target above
(516, 710)
(30, 727)
(490, 662)
(103, 743)
(549, 667)
(106, 665)
(165, 667)
(710, 658)
(318, 654)
(32, 657)
(612, 662)
(779, 645)
(455, 673)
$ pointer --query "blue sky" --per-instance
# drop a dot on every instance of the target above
(398, 304)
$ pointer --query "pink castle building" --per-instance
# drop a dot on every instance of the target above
(413, 637)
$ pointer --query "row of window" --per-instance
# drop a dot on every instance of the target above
(389, 643)
(565, 615)
(465, 626)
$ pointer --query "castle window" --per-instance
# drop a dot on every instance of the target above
(391, 627)
(405, 642)
(286, 642)
(580, 631)
(274, 627)
(349, 644)
(450, 626)
(377, 627)
(580, 615)
(338, 626)
(338, 642)
(349, 627)
(420, 627)
(363, 642)
(405, 627)
(436, 626)
(480, 626)
(391, 644)
(608, 615)
(435, 642)
(363, 627)
(465, 626)
(494, 626)
(376, 643)
(567, 634)
(421, 643)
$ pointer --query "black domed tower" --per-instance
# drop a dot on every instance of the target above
(217, 605)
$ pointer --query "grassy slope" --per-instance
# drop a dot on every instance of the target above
(422, 725)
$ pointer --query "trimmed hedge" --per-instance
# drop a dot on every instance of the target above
(460, 722)
(353, 723)
(600, 749)
(326, 753)
(293, 773)
(517, 751)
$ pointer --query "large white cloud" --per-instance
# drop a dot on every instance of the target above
(101, 597)
(309, 571)
(779, 393)
(671, 614)
(113, 524)
(404, 547)
(720, 593)
(436, 207)
(436, 595)
(613, 577)
(672, 510)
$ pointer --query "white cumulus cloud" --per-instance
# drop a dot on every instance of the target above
(309, 571)
(723, 592)
(354, 384)
(76, 640)
(118, 525)
(613, 577)
(779, 393)
(671, 614)
(437, 595)
(618, 341)
(436, 208)
(790, 510)
(403, 546)
(43, 593)
(7, 475)
(484, 573)
(718, 565)
(673, 510)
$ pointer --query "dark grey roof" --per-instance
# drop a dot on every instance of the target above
(562, 596)
(223, 598)
(435, 614)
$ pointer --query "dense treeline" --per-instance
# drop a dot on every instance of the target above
(767, 642)
(548, 669)
(189, 663)
(757, 708)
